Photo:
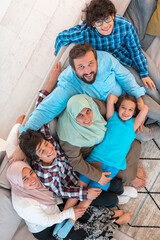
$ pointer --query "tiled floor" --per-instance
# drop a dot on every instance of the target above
(145, 222)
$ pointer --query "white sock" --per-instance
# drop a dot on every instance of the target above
(123, 199)
(130, 192)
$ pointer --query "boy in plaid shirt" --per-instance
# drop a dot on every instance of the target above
(108, 31)
(49, 161)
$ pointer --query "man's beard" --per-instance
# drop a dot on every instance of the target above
(84, 80)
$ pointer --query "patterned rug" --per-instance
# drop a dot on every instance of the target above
(145, 221)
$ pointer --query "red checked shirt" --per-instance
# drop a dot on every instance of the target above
(59, 177)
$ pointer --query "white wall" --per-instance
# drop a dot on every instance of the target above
(28, 29)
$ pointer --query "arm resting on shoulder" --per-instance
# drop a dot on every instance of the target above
(91, 170)
(48, 109)
(126, 79)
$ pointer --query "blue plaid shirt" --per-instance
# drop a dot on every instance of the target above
(122, 43)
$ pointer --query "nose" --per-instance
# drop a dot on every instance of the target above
(86, 117)
(87, 70)
(31, 179)
(104, 24)
(48, 148)
(126, 111)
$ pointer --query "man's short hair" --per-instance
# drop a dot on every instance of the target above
(80, 50)
(98, 9)
(28, 142)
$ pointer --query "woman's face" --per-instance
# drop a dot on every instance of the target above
(29, 178)
(46, 152)
(85, 117)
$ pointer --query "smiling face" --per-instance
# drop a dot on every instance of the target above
(126, 110)
(46, 152)
(86, 67)
(29, 178)
(85, 117)
(106, 27)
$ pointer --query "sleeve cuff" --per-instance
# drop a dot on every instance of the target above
(141, 91)
(143, 74)
(83, 192)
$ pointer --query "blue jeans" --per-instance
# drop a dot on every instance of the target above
(93, 184)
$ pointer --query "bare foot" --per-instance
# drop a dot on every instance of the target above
(20, 119)
(118, 213)
(125, 218)
(138, 183)
(141, 173)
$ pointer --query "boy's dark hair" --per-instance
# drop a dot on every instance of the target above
(80, 50)
(127, 97)
(97, 9)
(28, 142)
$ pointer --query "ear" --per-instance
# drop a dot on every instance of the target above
(73, 69)
(113, 16)
(93, 25)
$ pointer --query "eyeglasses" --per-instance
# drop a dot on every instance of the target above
(99, 22)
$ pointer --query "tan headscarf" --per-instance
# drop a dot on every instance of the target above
(41, 194)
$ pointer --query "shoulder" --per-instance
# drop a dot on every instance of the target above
(122, 25)
(22, 203)
(121, 20)
(106, 60)
(101, 55)
(65, 76)
(114, 117)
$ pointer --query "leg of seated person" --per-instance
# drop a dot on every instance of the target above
(154, 108)
(154, 73)
(154, 94)
(64, 229)
(116, 186)
(130, 173)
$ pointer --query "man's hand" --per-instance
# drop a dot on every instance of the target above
(93, 193)
(148, 82)
(18, 155)
(104, 180)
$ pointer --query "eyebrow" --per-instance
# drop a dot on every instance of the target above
(129, 107)
(83, 65)
(39, 147)
(25, 177)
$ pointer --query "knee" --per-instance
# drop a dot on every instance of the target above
(116, 186)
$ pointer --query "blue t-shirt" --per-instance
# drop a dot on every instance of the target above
(117, 141)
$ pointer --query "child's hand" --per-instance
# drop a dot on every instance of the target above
(104, 180)
(79, 211)
(148, 82)
(93, 193)
(141, 105)
(140, 118)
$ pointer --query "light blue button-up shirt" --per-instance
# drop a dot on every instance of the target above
(112, 78)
